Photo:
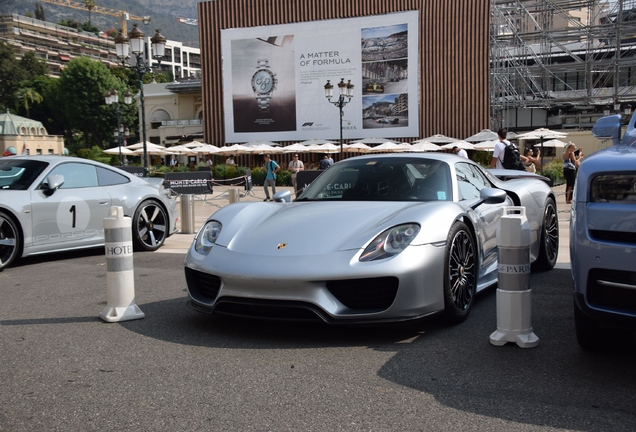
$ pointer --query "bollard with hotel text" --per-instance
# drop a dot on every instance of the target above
(120, 275)
(514, 307)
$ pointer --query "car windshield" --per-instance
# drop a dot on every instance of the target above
(382, 179)
(18, 174)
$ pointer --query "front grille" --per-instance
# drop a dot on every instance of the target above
(374, 294)
(202, 285)
(269, 309)
(614, 236)
(604, 289)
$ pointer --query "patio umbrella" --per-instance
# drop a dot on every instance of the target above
(194, 144)
(484, 135)
(424, 146)
(437, 139)
(388, 147)
(260, 142)
(542, 134)
(357, 147)
(153, 151)
(486, 145)
(298, 147)
(181, 149)
(315, 141)
(116, 151)
(149, 145)
(263, 149)
(373, 140)
(206, 149)
(554, 143)
(324, 148)
(459, 143)
(233, 149)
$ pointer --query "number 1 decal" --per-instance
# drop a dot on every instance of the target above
(72, 210)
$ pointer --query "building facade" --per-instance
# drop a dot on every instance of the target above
(20, 135)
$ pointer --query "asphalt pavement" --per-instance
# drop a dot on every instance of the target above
(64, 369)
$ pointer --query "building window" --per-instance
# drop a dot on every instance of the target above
(38, 151)
(51, 151)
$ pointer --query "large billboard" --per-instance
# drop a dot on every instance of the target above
(274, 79)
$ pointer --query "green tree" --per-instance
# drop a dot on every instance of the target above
(25, 97)
(48, 111)
(39, 12)
(33, 66)
(90, 5)
(82, 86)
(11, 75)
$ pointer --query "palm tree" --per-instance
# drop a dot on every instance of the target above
(90, 5)
(26, 95)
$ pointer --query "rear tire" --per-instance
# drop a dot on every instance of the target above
(150, 226)
(10, 240)
(460, 273)
(549, 241)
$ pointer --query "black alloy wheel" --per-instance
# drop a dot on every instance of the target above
(150, 226)
(549, 246)
(460, 273)
(10, 240)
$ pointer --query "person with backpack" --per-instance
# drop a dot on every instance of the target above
(506, 155)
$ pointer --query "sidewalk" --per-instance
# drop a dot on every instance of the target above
(206, 205)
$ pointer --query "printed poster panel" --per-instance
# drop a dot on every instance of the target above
(274, 79)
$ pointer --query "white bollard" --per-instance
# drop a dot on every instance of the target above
(514, 302)
(120, 274)
(234, 195)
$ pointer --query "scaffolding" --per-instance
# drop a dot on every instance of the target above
(570, 60)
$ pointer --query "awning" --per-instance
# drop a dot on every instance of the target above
(65, 58)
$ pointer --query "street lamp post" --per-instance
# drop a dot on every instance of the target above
(112, 99)
(135, 44)
(346, 91)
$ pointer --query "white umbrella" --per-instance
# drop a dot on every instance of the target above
(554, 143)
(373, 140)
(206, 149)
(259, 142)
(233, 149)
(149, 145)
(461, 144)
(315, 141)
(424, 146)
(116, 151)
(298, 147)
(357, 147)
(263, 149)
(194, 144)
(153, 151)
(180, 149)
(542, 134)
(484, 135)
(388, 147)
(323, 148)
(486, 145)
(437, 139)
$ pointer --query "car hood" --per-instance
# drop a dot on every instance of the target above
(316, 228)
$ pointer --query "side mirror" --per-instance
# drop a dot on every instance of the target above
(490, 196)
(282, 196)
(52, 183)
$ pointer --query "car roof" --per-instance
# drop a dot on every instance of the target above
(444, 157)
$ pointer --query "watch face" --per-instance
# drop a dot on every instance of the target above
(262, 81)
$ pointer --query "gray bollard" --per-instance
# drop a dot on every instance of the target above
(187, 214)
(120, 274)
(234, 195)
(514, 302)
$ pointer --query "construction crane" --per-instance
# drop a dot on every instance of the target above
(122, 15)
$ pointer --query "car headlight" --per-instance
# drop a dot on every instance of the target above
(391, 242)
(207, 236)
(616, 188)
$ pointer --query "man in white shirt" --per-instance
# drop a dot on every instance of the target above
(500, 149)
(460, 152)
(230, 161)
(294, 166)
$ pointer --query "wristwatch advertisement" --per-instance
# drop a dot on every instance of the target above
(263, 83)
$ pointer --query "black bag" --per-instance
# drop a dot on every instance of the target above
(512, 158)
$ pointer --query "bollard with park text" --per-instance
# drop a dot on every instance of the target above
(120, 276)
(514, 307)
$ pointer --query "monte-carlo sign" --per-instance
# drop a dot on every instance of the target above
(274, 78)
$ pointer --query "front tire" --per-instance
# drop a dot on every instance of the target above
(10, 240)
(150, 226)
(549, 242)
(460, 273)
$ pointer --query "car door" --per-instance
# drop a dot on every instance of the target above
(74, 214)
(470, 182)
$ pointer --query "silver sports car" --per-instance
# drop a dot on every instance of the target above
(373, 239)
(57, 203)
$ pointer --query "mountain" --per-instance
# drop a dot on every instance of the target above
(163, 13)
